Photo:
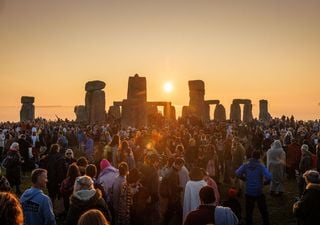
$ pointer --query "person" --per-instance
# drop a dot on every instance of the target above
(307, 209)
(12, 162)
(293, 158)
(82, 162)
(2, 143)
(37, 207)
(276, 164)
(10, 209)
(117, 186)
(107, 175)
(92, 217)
(89, 147)
(208, 213)
(252, 173)
(66, 188)
(56, 167)
(85, 197)
(191, 198)
(233, 203)
(304, 165)
(69, 157)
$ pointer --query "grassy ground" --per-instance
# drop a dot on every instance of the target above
(280, 208)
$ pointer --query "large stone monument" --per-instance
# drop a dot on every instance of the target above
(81, 114)
(220, 113)
(27, 111)
(134, 108)
(235, 110)
(95, 101)
(264, 114)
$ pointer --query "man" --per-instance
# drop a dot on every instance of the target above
(252, 173)
(37, 207)
(307, 209)
(208, 213)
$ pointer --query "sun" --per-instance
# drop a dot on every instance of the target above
(168, 87)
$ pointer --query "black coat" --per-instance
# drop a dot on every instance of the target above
(78, 207)
(56, 167)
(14, 169)
(307, 210)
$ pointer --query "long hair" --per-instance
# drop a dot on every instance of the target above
(10, 209)
(73, 172)
(93, 217)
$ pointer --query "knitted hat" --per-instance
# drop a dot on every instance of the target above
(14, 146)
(232, 192)
(104, 164)
(312, 176)
(83, 183)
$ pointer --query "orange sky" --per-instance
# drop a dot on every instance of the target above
(241, 49)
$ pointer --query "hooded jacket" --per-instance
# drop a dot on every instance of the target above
(253, 173)
(84, 200)
(37, 207)
(307, 210)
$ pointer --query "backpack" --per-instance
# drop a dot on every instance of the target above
(9, 162)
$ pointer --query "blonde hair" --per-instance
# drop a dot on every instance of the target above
(93, 217)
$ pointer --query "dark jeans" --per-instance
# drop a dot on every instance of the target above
(262, 205)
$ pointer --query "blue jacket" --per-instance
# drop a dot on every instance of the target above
(37, 208)
(255, 174)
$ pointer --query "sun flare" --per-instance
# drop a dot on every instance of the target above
(168, 87)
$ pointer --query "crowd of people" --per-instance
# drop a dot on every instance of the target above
(171, 173)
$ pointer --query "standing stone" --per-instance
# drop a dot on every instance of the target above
(235, 112)
(95, 102)
(173, 113)
(137, 88)
(115, 111)
(134, 108)
(197, 105)
(97, 108)
(247, 113)
(264, 114)
(81, 115)
(220, 113)
(27, 112)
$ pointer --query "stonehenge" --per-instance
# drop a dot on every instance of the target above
(94, 109)
(27, 112)
(235, 110)
(264, 114)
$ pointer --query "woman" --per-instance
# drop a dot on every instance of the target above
(115, 144)
(66, 188)
(107, 175)
(125, 155)
(93, 217)
(84, 198)
(69, 156)
(10, 209)
(276, 164)
(12, 163)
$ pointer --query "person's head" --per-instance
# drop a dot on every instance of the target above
(196, 174)
(14, 146)
(73, 171)
(256, 154)
(123, 169)
(91, 171)
(55, 148)
(82, 162)
(39, 178)
(83, 183)
(312, 176)
(104, 163)
(4, 184)
(207, 195)
(304, 148)
(10, 209)
(178, 163)
(92, 217)
(69, 153)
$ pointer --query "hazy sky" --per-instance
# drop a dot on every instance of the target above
(241, 49)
